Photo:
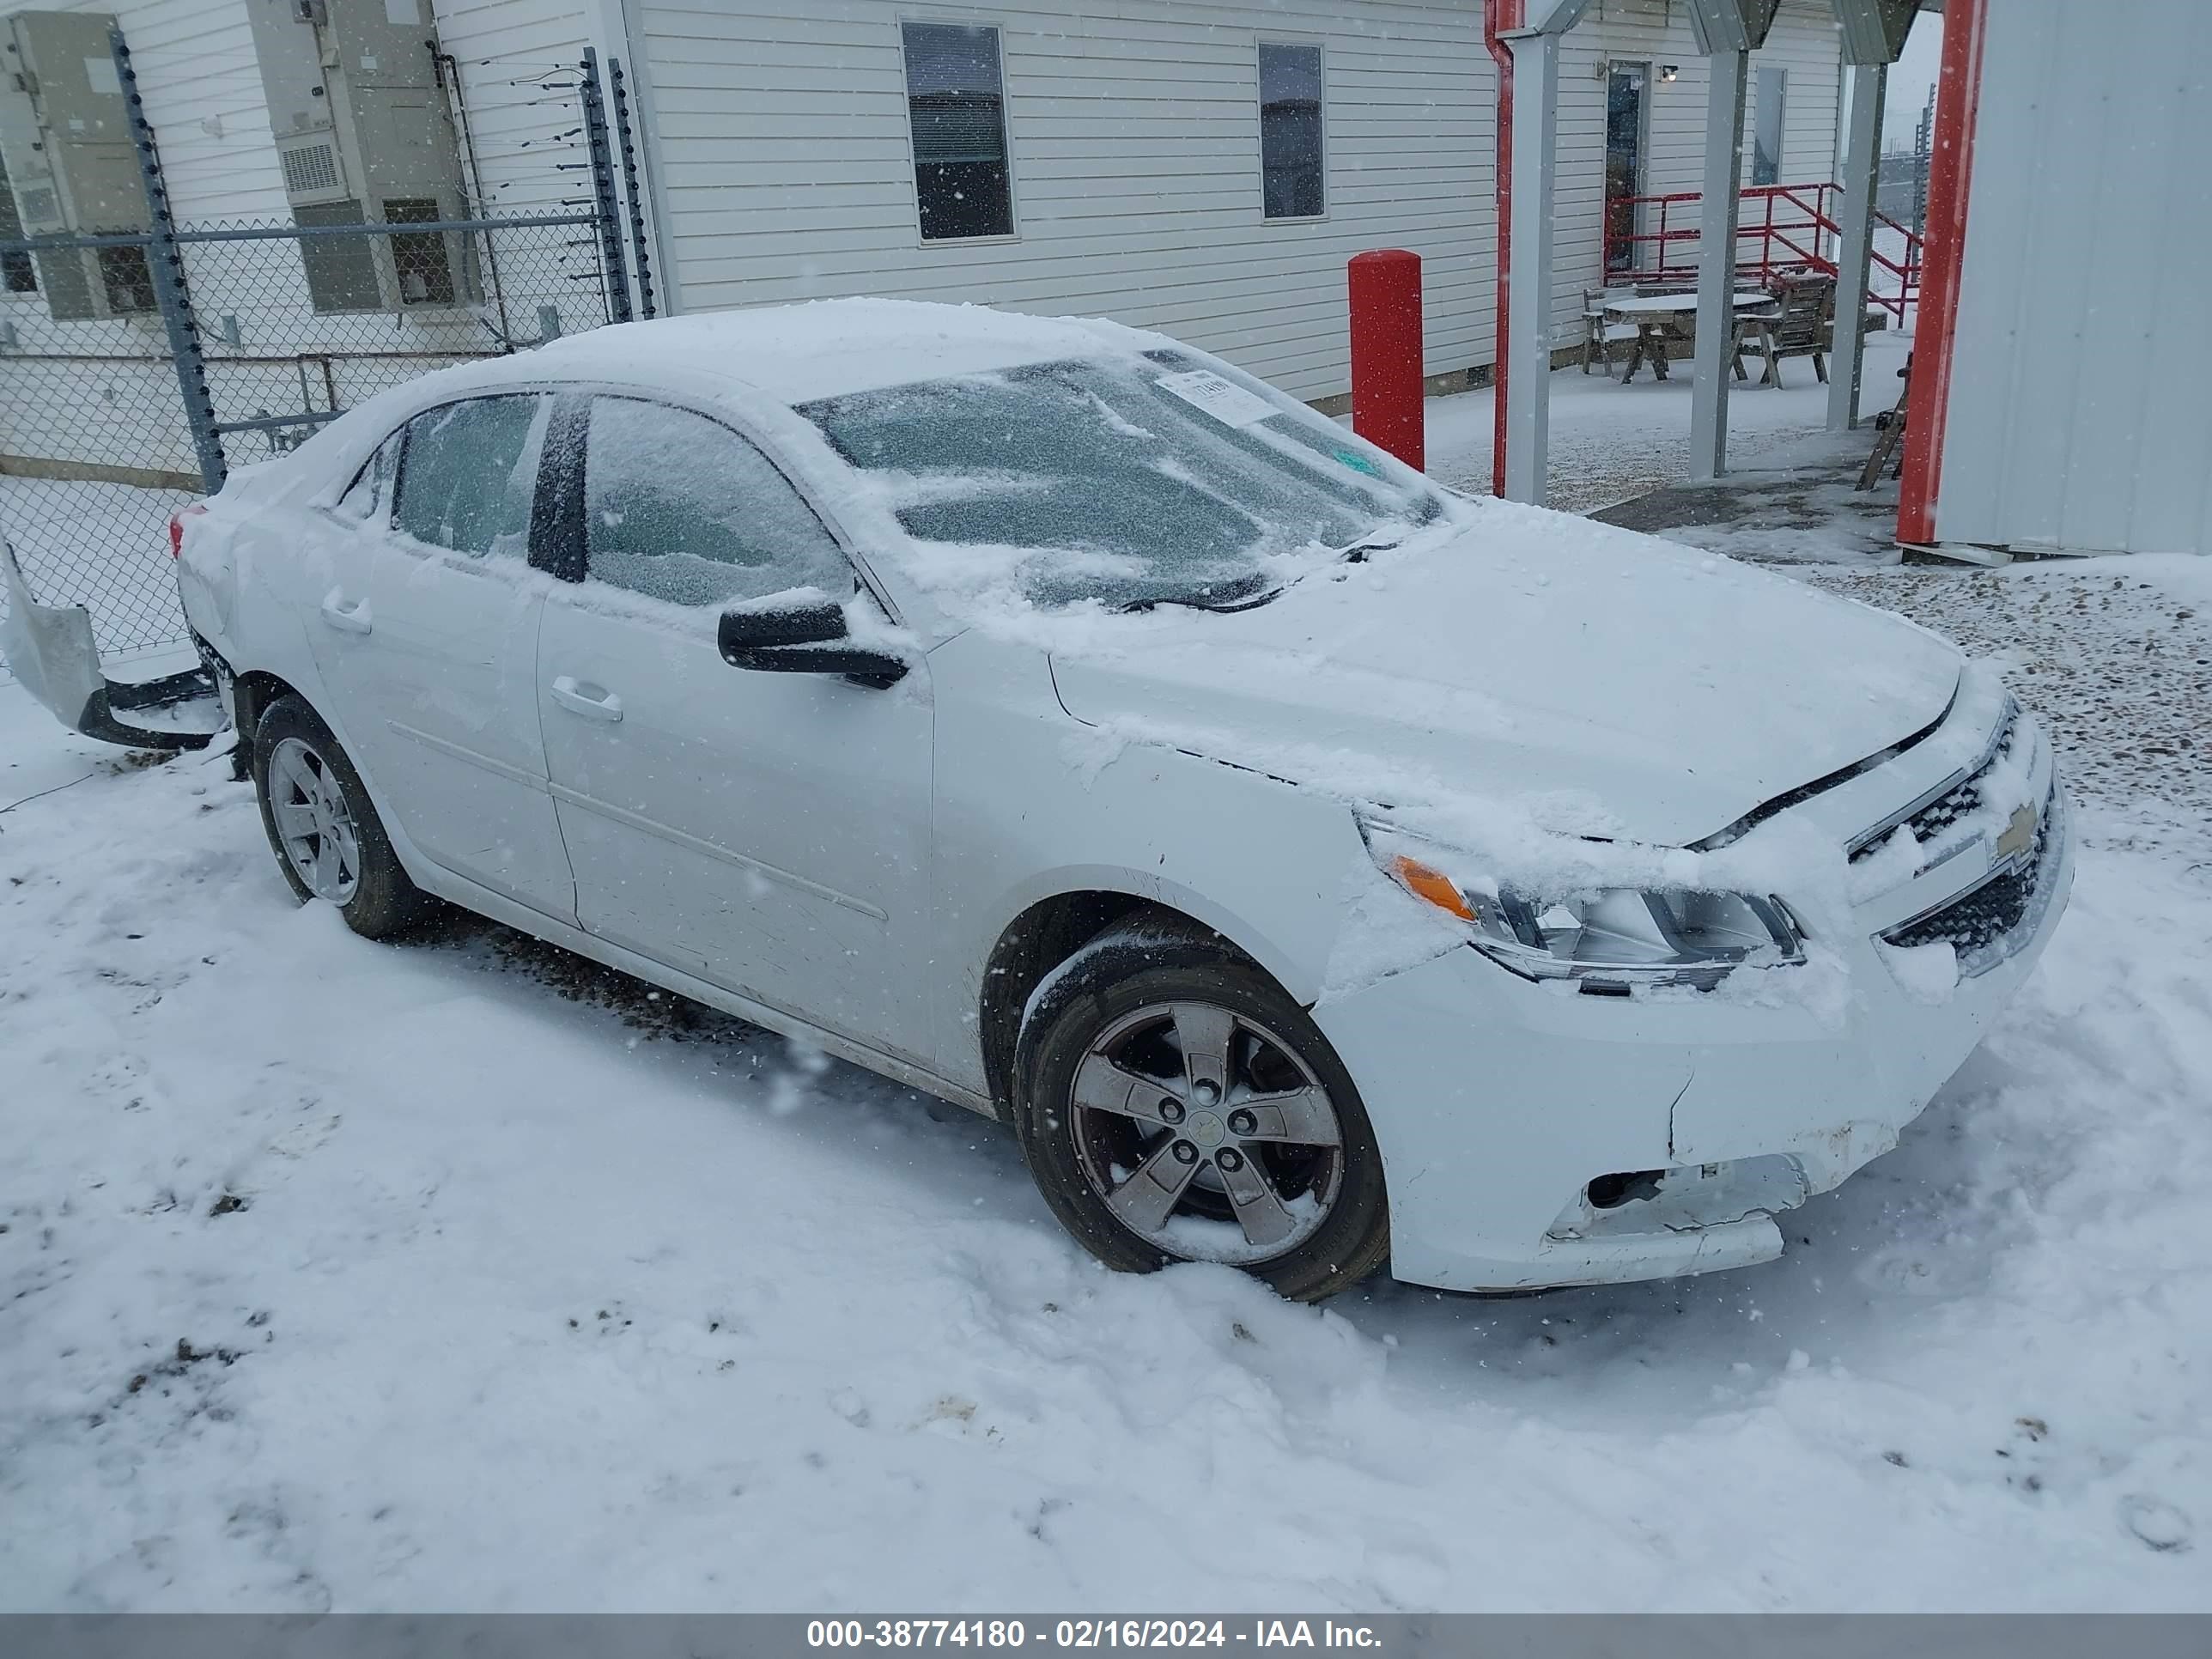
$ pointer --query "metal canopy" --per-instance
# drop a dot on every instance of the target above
(1731, 24)
(1873, 34)
(1874, 31)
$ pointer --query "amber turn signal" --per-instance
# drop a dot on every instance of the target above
(1425, 881)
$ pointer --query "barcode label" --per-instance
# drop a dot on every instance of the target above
(1227, 402)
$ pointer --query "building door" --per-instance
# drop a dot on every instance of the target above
(1625, 129)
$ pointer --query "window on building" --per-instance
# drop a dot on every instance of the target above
(126, 278)
(957, 104)
(1767, 130)
(421, 260)
(1292, 164)
(17, 274)
(1625, 130)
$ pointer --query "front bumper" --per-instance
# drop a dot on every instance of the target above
(1497, 1102)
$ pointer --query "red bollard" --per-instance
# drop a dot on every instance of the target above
(1386, 352)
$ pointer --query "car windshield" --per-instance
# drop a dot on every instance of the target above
(1131, 481)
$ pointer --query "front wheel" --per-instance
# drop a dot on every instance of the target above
(327, 838)
(1174, 1104)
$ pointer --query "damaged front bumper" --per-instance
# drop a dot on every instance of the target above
(1532, 1140)
(1533, 1136)
(50, 652)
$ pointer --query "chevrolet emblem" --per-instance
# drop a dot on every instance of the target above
(2019, 837)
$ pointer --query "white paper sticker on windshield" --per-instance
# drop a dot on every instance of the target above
(1226, 401)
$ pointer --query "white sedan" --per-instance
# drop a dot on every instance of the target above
(1317, 869)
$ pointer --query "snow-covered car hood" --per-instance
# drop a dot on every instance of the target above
(1618, 684)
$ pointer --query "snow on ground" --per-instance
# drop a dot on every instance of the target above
(464, 1274)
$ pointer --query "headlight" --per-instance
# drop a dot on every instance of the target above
(1610, 938)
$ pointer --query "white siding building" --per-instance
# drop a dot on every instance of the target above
(780, 143)
(781, 153)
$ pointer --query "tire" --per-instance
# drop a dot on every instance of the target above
(323, 828)
(1168, 1171)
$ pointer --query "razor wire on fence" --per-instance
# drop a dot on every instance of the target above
(137, 367)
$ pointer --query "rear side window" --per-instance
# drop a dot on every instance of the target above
(679, 507)
(370, 492)
(469, 474)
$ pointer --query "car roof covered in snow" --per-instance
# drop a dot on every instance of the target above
(769, 354)
(826, 347)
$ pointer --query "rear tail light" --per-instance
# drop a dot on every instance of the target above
(177, 527)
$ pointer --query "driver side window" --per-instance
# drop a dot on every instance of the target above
(681, 508)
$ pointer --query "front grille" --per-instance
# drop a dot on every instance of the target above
(1988, 923)
(1931, 820)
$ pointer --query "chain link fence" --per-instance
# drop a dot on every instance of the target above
(95, 456)
(137, 369)
(97, 444)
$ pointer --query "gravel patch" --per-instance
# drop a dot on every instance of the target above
(2118, 665)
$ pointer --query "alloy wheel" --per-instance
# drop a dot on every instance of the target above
(1206, 1134)
(314, 821)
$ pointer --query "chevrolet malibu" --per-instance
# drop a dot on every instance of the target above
(1317, 869)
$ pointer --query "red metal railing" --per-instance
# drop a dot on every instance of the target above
(1787, 225)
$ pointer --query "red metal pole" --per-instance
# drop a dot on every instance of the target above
(1499, 15)
(1385, 287)
(1950, 169)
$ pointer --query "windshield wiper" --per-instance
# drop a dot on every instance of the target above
(1359, 551)
(1242, 594)
(1198, 602)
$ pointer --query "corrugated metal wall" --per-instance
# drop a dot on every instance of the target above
(2081, 416)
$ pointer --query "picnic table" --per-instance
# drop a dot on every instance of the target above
(1660, 319)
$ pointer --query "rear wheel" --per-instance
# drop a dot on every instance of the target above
(1176, 1105)
(328, 840)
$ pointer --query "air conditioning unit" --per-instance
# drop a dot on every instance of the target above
(364, 137)
(67, 155)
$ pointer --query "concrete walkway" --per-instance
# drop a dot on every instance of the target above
(1797, 504)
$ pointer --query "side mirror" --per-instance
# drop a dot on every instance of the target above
(803, 636)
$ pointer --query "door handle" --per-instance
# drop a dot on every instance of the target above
(592, 701)
(346, 618)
